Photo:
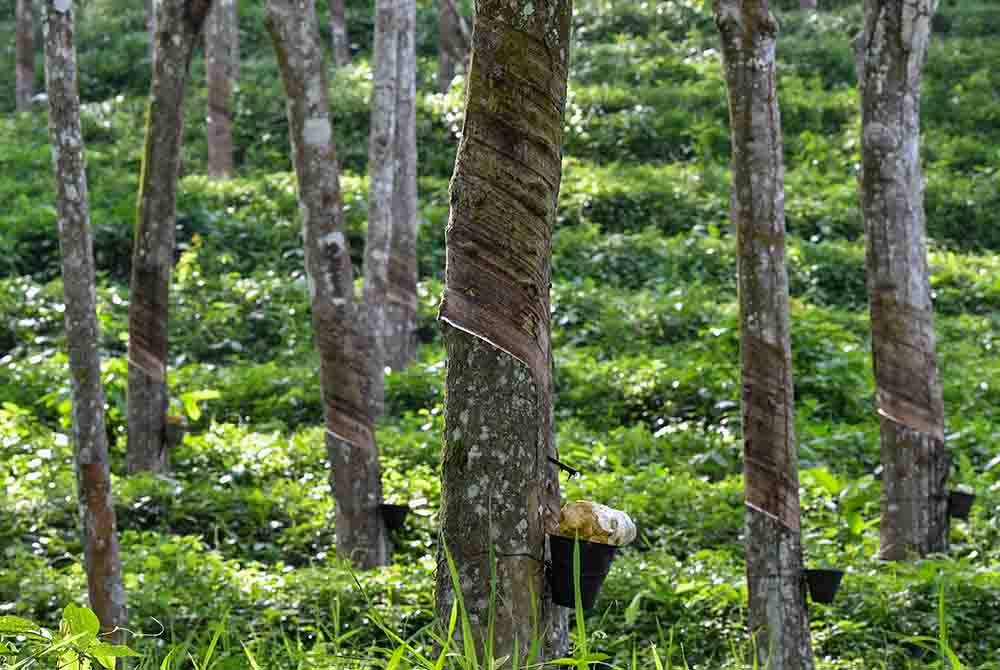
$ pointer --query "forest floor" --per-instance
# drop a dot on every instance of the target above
(239, 538)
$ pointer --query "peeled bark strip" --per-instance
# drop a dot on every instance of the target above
(499, 491)
(350, 440)
(777, 614)
(93, 474)
(222, 56)
(25, 55)
(179, 26)
(338, 32)
(454, 40)
(381, 179)
(891, 53)
(401, 318)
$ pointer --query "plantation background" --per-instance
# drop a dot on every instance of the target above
(241, 534)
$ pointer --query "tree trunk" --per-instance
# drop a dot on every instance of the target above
(222, 56)
(93, 474)
(338, 32)
(350, 436)
(381, 179)
(401, 318)
(499, 493)
(25, 50)
(915, 464)
(180, 24)
(808, 4)
(777, 612)
(151, 8)
(454, 40)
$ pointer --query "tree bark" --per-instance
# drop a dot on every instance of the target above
(350, 436)
(151, 8)
(808, 4)
(381, 180)
(778, 618)
(25, 56)
(93, 474)
(500, 494)
(180, 23)
(892, 51)
(454, 40)
(338, 32)
(222, 56)
(401, 306)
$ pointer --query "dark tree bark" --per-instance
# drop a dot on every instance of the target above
(499, 492)
(25, 55)
(338, 32)
(454, 41)
(401, 307)
(222, 58)
(350, 436)
(381, 179)
(179, 27)
(777, 612)
(892, 51)
(93, 474)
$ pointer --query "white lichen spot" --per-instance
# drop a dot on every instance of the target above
(456, 434)
(472, 491)
(317, 131)
(62, 6)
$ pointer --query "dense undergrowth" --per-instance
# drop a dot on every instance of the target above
(645, 319)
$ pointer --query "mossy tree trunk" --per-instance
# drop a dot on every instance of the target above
(401, 317)
(892, 51)
(24, 82)
(350, 435)
(222, 60)
(778, 618)
(381, 180)
(453, 42)
(499, 493)
(93, 473)
(179, 27)
(338, 33)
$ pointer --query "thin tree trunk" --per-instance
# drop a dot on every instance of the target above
(401, 318)
(778, 618)
(808, 4)
(454, 41)
(350, 436)
(180, 23)
(499, 492)
(338, 32)
(222, 56)
(915, 463)
(381, 179)
(25, 50)
(93, 474)
(151, 8)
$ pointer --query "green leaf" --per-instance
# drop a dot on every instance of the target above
(107, 653)
(81, 620)
(15, 625)
(634, 609)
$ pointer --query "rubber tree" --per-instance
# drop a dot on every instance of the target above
(399, 339)
(24, 48)
(350, 435)
(808, 4)
(891, 54)
(338, 33)
(222, 63)
(179, 26)
(500, 494)
(151, 29)
(778, 619)
(93, 473)
(454, 39)
(381, 180)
